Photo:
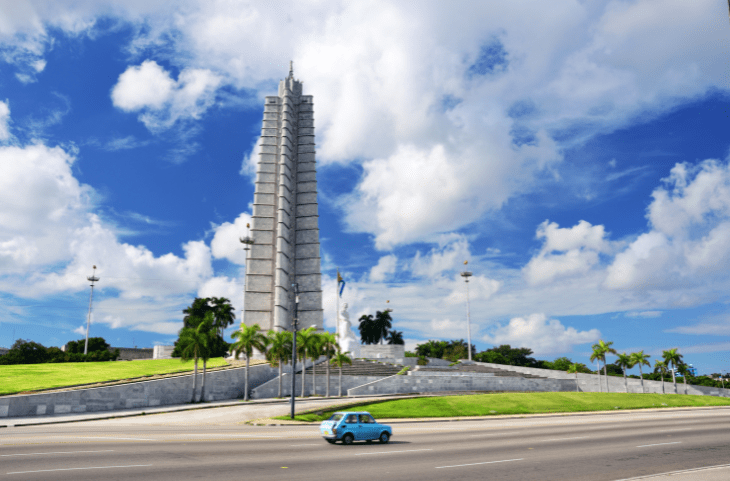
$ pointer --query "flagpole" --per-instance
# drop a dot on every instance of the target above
(337, 297)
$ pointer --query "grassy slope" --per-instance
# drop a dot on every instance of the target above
(521, 403)
(31, 377)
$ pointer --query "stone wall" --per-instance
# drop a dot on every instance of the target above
(162, 352)
(378, 351)
(271, 388)
(219, 385)
(132, 353)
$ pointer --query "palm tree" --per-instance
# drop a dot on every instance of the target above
(382, 325)
(605, 348)
(315, 350)
(304, 343)
(395, 337)
(661, 367)
(624, 362)
(367, 329)
(224, 313)
(683, 369)
(329, 349)
(672, 358)
(597, 356)
(640, 359)
(574, 368)
(279, 351)
(338, 360)
(248, 339)
(194, 345)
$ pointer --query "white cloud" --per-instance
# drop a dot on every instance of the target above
(645, 314)
(226, 242)
(4, 121)
(80, 330)
(448, 256)
(162, 101)
(542, 335)
(385, 267)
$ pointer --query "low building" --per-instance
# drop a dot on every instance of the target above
(3, 351)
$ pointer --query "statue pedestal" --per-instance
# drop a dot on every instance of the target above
(378, 351)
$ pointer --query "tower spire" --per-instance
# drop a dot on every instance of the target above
(291, 69)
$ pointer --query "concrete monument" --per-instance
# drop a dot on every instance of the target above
(285, 227)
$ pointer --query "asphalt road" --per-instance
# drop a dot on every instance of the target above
(200, 445)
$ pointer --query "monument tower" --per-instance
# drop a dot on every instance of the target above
(285, 222)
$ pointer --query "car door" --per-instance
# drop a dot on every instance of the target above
(353, 425)
(368, 426)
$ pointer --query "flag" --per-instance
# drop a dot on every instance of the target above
(340, 283)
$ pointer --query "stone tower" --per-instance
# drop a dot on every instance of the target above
(285, 227)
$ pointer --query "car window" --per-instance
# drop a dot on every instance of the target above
(352, 418)
(336, 417)
(366, 418)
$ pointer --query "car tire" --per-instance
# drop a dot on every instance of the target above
(369, 441)
(331, 441)
(384, 437)
(347, 439)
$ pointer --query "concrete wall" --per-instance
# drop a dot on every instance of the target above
(219, 385)
(162, 352)
(425, 383)
(589, 382)
(271, 388)
(132, 353)
(378, 351)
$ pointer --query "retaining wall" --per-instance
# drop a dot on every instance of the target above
(271, 388)
(439, 383)
(589, 382)
(219, 385)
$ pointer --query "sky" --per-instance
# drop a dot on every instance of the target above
(575, 153)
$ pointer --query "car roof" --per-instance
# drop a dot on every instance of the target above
(352, 412)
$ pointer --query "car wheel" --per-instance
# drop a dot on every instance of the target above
(384, 437)
(369, 441)
(331, 441)
(348, 438)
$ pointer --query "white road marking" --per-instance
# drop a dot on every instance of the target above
(108, 437)
(57, 452)
(673, 473)
(474, 464)
(393, 452)
(76, 469)
(564, 439)
(659, 444)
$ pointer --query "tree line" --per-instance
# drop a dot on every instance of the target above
(376, 330)
(31, 352)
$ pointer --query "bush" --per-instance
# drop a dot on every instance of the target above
(29, 352)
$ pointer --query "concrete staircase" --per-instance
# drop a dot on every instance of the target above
(463, 368)
(359, 367)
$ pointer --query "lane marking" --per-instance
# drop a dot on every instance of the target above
(474, 464)
(672, 473)
(57, 452)
(659, 444)
(393, 452)
(76, 469)
(107, 437)
(564, 439)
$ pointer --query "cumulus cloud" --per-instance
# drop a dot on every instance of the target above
(565, 251)
(448, 256)
(4, 121)
(226, 242)
(162, 101)
(385, 267)
(542, 335)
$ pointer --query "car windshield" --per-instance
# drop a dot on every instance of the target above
(336, 417)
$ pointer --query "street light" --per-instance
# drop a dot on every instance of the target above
(247, 243)
(466, 275)
(295, 321)
(92, 279)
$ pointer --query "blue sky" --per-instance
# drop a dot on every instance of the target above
(575, 153)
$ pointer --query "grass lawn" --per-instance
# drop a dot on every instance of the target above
(519, 403)
(31, 377)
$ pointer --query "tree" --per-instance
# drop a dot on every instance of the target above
(457, 350)
(330, 347)
(338, 360)
(383, 323)
(597, 355)
(205, 354)
(279, 351)
(95, 344)
(492, 357)
(625, 362)
(367, 329)
(661, 368)
(26, 352)
(574, 368)
(683, 369)
(514, 356)
(562, 364)
(305, 338)
(672, 358)
(193, 345)
(223, 312)
(395, 338)
(248, 338)
(315, 350)
(431, 348)
(222, 317)
(640, 359)
(604, 348)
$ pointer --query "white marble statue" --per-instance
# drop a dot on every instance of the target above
(348, 341)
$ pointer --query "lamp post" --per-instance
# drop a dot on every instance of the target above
(91, 279)
(295, 321)
(247, 243)
(466, 275)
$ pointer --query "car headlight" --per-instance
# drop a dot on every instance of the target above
(334, 430)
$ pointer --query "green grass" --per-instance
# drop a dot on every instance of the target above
(32, 377)
(518, 403)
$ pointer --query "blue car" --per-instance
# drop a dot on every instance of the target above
(352, 426)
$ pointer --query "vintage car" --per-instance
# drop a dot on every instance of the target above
(349, 426)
